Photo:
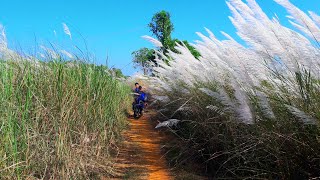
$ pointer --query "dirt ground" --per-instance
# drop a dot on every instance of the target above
(140, 156)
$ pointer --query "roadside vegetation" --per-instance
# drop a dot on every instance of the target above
(59, 118)
(244, 110)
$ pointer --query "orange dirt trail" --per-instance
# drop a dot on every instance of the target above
(141, 152)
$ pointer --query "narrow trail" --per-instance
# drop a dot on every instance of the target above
(141, 157)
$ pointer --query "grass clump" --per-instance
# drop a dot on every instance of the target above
(59, 119)
(246, 111)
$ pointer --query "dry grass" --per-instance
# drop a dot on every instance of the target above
(58, 119)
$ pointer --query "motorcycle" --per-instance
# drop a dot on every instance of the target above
(138, 105)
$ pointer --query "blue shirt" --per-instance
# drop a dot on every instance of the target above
(142, 97)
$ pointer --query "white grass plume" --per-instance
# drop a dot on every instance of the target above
(246, 65)
(302, 21)
(164, 99)
(66, 30)
(3, 38)
(169, 123)
(265, 105)
(215, 109)
(242, 108)
(155, 42)
(50, 52)
(305, 118)
(222, 96)
(66, 53)
(5, 52)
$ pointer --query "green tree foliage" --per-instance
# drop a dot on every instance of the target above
(142, 59)
(162, 27)
(193, 51)
(117, 72)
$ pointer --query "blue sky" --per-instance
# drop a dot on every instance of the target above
(115, 27)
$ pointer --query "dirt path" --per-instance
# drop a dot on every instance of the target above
(140, 157)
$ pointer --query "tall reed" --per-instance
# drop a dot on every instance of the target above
(59, 119)
(247, 110)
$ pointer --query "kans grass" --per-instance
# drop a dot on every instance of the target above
(58, 119)
(246, 110)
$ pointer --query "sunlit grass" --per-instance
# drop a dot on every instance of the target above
(58, 119)
(246, 111)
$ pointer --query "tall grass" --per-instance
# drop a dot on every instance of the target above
(58, 119)
(247, 111)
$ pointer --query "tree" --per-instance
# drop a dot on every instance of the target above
(142, 59)
(161, 27)
(117, 72)
(193, 51)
